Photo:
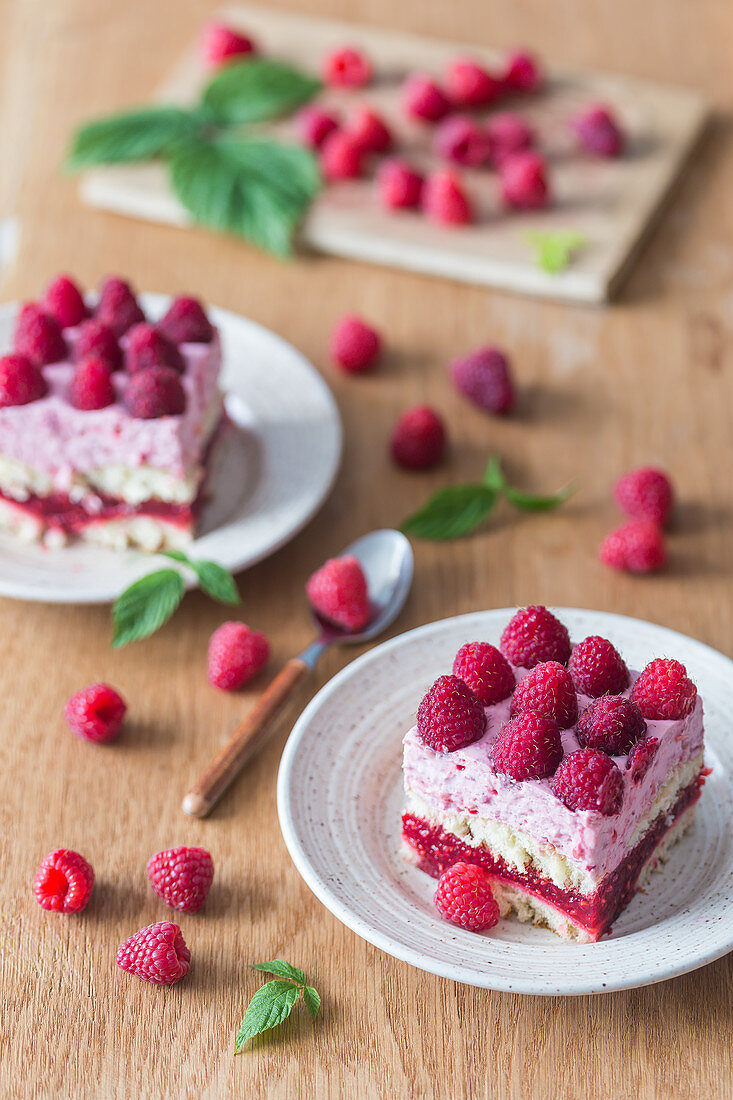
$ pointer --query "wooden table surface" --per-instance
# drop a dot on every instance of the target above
(650, 379)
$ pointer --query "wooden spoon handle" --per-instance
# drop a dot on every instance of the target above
(245, 740)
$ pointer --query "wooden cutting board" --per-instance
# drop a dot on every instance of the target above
(612, 204)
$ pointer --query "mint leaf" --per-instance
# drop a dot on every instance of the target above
(532, 502)
(270, 1005)
(282, 969)
(312, 999)
(494, 475)
(146, 605)
(257, 90)
(135, 135)
(554, 250)
(216, 581)
(452, 512)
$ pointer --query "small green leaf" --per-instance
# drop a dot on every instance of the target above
(532, 502)
(257, 90)
(312, 999)
(494, 475)
(554, 250)
(216, 581)
(146, 605)
(135, 135)
(270, 1005)
(282, 969)
(452, 512)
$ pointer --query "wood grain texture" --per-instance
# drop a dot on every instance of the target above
(648, 380)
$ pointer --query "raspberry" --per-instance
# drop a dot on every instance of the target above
(181, 877)
(485, 378)
(155, 392)
(636, 547)
(664, 691)
(63, 882)
(450, 716)
(21, 381)
(91, 386)
(597, 668)
(236, 654)
(95, 338)
(418, 440)
(347, 68)
(220, 43)
(598, 132)
(547, 689)
(640, 758)
(464, 897)
(118, 307)
(342, 157)
(522, 73)
(469, 84)
(612, 724)
(645, 493)
(485, 670)
(589, 780)
(369, 130)
(313, 125)
(96, 713)
(186, 322)
(338, 593)
(460, 139)
(508, 133)
(157, 954)
(146, 346)
(523, 181)
(38, 336)
(354, 345)
(399, 186)
(534, 635)
(444, 199)
(424, 99)
(528, 747)
(63, 301)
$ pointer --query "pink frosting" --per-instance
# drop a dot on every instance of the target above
(51, 435)
(465, 782)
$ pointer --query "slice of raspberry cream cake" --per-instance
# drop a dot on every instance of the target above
(562, 773)
(107, 420)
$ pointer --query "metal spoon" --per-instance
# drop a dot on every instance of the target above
(386, 558)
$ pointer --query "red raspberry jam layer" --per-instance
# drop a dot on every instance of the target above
(57, 510)
(437, 849)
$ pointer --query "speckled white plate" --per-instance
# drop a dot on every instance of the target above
(340, 799)
(273, 470)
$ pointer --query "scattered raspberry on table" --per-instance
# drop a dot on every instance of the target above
(645, 493)
(469, 84)
(63, 881)
(423, 98)
(369, 130)
(338, 592)
(354, 345)
(236, 654)
(182, 877)
(508, 133)
(313, 124)
(419, 438)
(462, 140)
(485, 378)
(96, 713)
(399, 185)
(464, 897)
(523, 181)
(156, 954)
(445, 200)
(635, 547)
(342, 156)
(221, 43)
(522, 73)
(347, 67)
(598, 131)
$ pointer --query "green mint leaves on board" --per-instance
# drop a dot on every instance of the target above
(149, 603)
(273, 1003)
(228, 178)
(555, 250)
(458, 510)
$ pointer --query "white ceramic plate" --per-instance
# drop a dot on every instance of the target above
(274, 469)
(340, 799)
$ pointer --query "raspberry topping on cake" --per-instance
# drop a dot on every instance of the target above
(636, 547)
(347, 68)
(156, 954)
(598, 131)
(155, 392)
(460, 139)
(221, 43)
(64, 302)
(181, 877)
(523, 181)
(588, 779)
(38, 336)
(338, 593)
(469, 84)
(423, 99)
(96, 338)
(185, 322)
(147, 346)
(418, 439)
(118, 307)
(597, 668)
(645, 493)
(522, 72)
(640, 758)
(399, 185)
(354, 344)
(313, 125)
(534, 635)
(612, 724)
(450, 716)
(64, 881)
(444, 198)
(91, 386)
(485, 670)
(236, 654)
(547, 689)
(21, 381)
(464, 897)
(664, 691)
(528, 747)
(484, 377)
(369, 130)
(96, 713)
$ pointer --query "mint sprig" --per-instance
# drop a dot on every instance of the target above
(457, 510)
(147, 604)
(228, 179)
(555, 249)
(273, 1003)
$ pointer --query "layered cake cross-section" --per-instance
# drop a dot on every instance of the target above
(108, 419)
(561, 772)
